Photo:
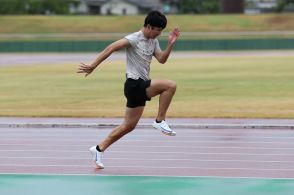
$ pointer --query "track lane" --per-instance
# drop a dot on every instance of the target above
(254, 153)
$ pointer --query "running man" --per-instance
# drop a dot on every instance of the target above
(140, 47)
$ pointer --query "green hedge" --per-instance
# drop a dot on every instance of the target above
(181, 45)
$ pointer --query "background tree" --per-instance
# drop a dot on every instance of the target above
(12, 6)
(199, 6)
(35, 6)
(282, 4)
(210, 6)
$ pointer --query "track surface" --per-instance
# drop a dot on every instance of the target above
(213, 161)
(193, 152)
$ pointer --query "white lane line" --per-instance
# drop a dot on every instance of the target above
(202, 153)
(46, 157)
(148, 131)
(46, 145)
(144, 126)
(154, 159)
(153, 152)
(201, 160)
(153, 146)
(147, 167)
(156, 141)
(232, 136)
(96, 174)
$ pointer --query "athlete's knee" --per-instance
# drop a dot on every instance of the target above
(172, 85)
(128, 127)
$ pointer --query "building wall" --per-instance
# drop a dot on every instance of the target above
(260, 6)
(82, 8)
(119, 8)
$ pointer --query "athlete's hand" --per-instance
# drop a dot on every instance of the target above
(173, 36)
(84, 68)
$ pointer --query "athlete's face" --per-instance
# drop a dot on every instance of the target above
(154, 31)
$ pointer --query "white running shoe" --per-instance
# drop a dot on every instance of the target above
(96, 157)
(164, 128)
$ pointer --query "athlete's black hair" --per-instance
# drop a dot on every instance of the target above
(155, 19)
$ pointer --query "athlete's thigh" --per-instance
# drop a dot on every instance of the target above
(157, 86)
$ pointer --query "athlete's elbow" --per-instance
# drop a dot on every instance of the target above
(162, 60)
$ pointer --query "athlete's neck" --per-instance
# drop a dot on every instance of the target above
(146, 32)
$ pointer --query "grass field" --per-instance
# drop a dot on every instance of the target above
(243, 86)
(116, 24)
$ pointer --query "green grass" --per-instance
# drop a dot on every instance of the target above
(229, 87)
(106, 24)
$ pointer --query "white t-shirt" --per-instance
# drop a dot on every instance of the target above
(139, 55)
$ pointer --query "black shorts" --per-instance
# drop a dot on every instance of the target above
(135, 92)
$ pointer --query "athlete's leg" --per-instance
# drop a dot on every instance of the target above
(131, 119)
(166, 89)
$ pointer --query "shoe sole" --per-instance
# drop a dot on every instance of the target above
(164, 132)
(99, 166)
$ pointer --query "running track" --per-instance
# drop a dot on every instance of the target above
(254, 153)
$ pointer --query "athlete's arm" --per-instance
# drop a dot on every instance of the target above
(162, 56)
(115, 46)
